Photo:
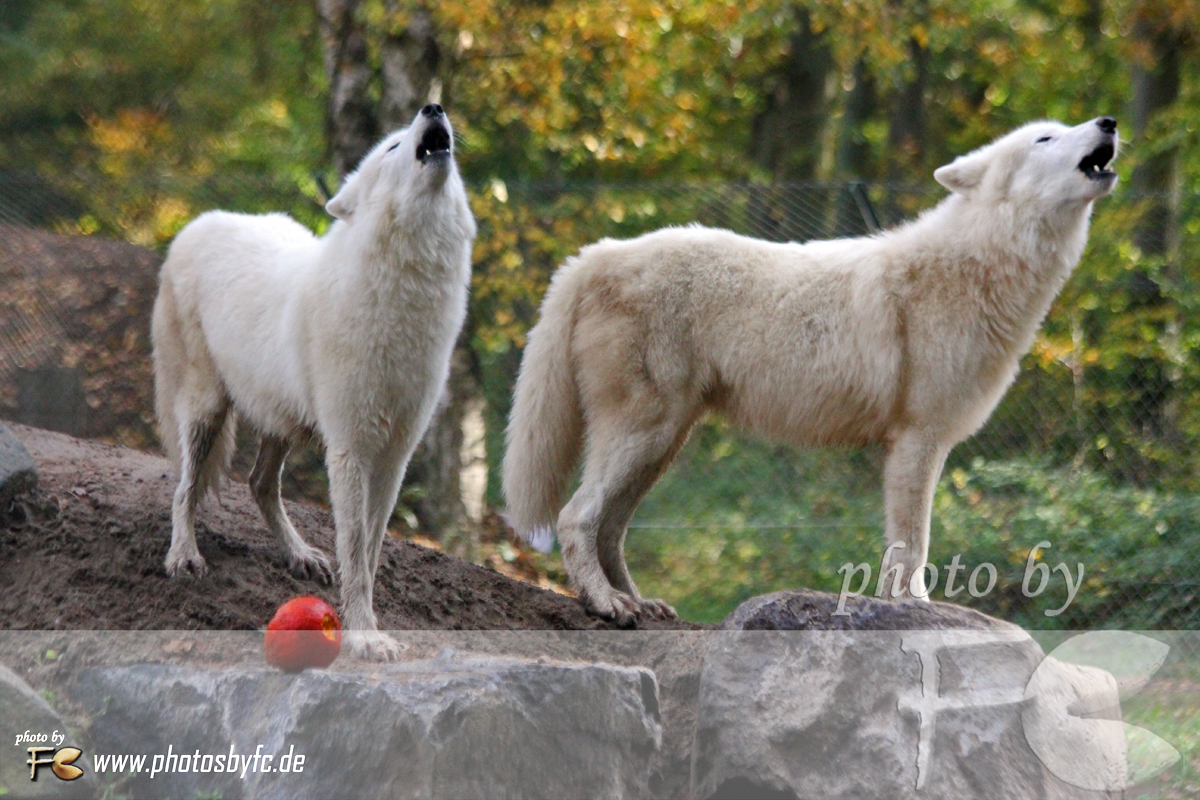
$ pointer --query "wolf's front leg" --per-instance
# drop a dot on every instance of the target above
(910, 475)
(383, 488)
(349, 492)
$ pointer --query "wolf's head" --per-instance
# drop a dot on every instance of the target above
(1040, 163)
(410, 162)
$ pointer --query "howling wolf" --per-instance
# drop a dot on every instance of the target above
(908, 339)
(348, 336)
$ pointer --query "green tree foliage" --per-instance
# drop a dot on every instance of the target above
(122, 97)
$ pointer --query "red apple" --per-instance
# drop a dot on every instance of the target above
(305, 633)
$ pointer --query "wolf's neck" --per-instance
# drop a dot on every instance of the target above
(1019, 260)
(404, 246)
(1039, 245)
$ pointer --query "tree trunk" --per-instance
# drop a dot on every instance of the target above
(408, 65)
(906, 150)
(787, 135)
(436, 467)
(854, 153)
(1090, 19)
(1156, 84)
(786, 138)
(1156, 88)
(352, 126)
(906, 131)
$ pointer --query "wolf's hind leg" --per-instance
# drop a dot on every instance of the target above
(303, 560)
(621, 467)
(637, 478)
(578, 531)
(202, 440)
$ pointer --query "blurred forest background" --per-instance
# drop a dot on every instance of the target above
(123, 119)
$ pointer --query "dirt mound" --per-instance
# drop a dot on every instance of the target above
(75, 334)
(85, 550)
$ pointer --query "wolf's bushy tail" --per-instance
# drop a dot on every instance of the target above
(170, 364)
(545, 429)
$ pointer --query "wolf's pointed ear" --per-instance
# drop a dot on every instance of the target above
(342, 204)
(964, 173)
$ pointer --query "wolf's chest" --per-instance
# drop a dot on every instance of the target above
(394, 341)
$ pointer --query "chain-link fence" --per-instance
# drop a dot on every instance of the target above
(1095, 449)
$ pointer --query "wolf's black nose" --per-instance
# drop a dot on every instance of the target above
(434, 110)
(1107, 124)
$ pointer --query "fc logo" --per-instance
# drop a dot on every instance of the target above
(60, 762)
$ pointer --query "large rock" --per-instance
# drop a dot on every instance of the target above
(18, 473)
(24, 713)
(490, 727)
(898, 700)
(808, 610)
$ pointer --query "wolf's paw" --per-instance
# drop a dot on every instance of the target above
(310, 564)
(372, 646)
(655, 609)
(615, 606)
(189, 562)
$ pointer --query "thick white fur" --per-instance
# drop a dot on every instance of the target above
(348, 336)
(908, 339)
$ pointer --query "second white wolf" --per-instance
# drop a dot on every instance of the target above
(908, 339)
(348, 336)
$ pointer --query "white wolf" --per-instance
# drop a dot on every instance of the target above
(348, 336)
(908, 339)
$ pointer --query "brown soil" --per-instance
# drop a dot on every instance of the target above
(77, 307)
(85, 551)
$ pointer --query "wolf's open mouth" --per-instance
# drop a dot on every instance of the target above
(435, 142)
(1095, 163)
